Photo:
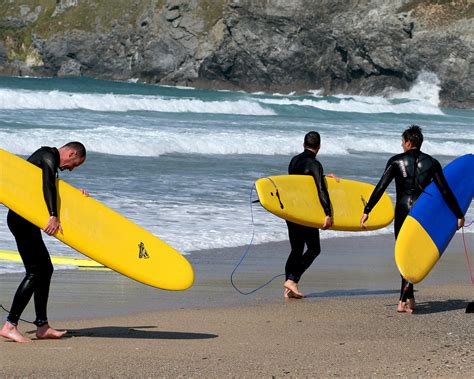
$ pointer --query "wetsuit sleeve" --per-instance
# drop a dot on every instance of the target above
(318, 175)
(446, 191)
(380, 188)
(49, 184)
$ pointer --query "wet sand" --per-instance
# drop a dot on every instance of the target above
(346, 326)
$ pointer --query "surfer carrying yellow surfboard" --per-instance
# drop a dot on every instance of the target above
(31, 247)
(412, 170)
(299, 235)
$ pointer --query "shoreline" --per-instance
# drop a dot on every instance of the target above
(347, 326)
(346, 267)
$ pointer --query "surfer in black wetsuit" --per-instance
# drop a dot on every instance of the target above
(412, 170)
(31, 246)
(299, 235)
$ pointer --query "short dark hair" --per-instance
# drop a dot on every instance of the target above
(78, 147)
(414, 135)
(312, 140)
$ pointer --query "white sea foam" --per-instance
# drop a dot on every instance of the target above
(360, 104)
(155, 142)
(58, 100)
(425, 89)
(422, 98)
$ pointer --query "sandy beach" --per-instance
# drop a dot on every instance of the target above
(346, 326)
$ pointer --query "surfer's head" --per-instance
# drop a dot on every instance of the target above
(312, 140)
(412, 138)
(71, 155)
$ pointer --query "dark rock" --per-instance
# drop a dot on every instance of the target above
(3, 54)
(347, 46)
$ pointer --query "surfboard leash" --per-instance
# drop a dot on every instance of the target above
(6, 310)
(247, 251)
(466, 253)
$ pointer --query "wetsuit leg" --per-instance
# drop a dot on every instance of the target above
(38, 266)
(298, 262)
(401, 212)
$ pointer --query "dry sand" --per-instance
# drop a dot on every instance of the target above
(347, 326)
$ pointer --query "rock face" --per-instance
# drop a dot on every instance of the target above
(337, 46)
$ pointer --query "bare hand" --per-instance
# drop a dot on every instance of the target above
(328, 222)
(53, 226)
(461, 222)
(363, 220)
(84, 192)
(336, 178)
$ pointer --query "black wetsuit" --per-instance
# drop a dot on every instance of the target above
(299, 235)
(412, 170)
(31, 247)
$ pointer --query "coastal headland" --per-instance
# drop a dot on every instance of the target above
(350, 47)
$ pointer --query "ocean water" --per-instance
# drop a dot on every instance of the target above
(182, 162)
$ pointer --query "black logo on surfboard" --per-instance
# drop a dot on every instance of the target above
(142, 253)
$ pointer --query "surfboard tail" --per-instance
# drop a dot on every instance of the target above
(415, 257)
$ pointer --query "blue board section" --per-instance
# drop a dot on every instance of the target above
(432, 212)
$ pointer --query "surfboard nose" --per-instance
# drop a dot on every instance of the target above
(184, 276)
(415, 256)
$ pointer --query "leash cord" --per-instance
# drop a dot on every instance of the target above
(245, 254)
(466, 253)
(6, 310)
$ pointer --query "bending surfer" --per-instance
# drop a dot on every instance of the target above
(31, 247)
(299, 235)
(412, 170)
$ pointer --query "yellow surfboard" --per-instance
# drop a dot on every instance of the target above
(89, 264)
(294, 198)
(93, 229)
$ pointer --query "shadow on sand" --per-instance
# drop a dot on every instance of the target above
(136, 332)
(351, 292)
(440, 306)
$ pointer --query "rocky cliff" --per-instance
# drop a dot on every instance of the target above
(338, 46)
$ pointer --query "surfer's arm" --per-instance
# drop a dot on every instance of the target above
(50, 192)
(323, 194)
(380, 188)
(448, 194)
(377, 193)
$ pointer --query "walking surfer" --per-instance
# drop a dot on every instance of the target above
(412, 170)
(31, 247)
(299, 235)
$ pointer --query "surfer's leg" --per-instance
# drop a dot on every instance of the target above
(297, 242)
(314, 248)
(401, 212)
(22, 297)
(407, 301)
(44, 272)
(22, 232)
(293, 264)
(38, 268)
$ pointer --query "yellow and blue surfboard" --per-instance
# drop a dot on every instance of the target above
(430, 225)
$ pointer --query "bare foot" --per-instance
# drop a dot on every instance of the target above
(46, 332)
(403, 307)
(287, 294)
(293, 290)
(411, 304)
(11, 332)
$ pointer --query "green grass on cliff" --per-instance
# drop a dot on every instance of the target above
(440, 11)
(87, 16)
(211, 11)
